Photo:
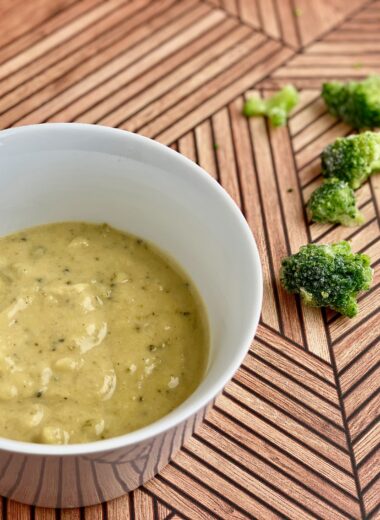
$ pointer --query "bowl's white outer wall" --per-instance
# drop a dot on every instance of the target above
(87, 479)
(58, 172)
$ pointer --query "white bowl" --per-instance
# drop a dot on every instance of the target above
(57, 172)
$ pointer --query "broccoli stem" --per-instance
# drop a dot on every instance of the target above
(375, 166)
(276, 107)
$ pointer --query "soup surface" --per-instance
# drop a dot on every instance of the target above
(100, 334)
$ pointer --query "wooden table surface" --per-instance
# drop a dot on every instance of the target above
(296, 433)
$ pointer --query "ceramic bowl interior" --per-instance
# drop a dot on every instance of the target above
(59, 172)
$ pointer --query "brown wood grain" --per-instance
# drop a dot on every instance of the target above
(30, 37)
(66, 51)
(41, 513)
(193, 53)
(296, 434)
(252, 201)
(31, 16)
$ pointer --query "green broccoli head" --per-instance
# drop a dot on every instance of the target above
(357, 103)
(277, 116)
(352, 158)
(286, 98)
(327, 276)
(276, 108)
(334, 201)
(254, 106)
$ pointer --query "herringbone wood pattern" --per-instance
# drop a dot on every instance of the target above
(296, 433)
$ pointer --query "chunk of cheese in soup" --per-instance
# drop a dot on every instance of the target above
(100, 334)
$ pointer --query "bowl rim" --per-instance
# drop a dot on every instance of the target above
(185, 411)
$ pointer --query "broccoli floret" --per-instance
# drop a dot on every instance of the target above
(277, 116)
(280, 104)
(327, 276)
(254, 106)
(276, 108)
(356, 102)
(352, 158)
(334, 202)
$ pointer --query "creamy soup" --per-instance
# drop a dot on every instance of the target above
(100, 334)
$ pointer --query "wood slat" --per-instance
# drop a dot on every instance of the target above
(268, 57)
(314, 130)
(363, 391)
(189, 474)
(371, 496)
(360, 368)
(31, 36)
(364, 416)
(329, 73)
(367, 307)
(93, 37)
(94, 513)
(310, 172)
(249, 13)
(369, 471)
(56, 38)
(276, 240)
(120, 507)
(248, 482)
(281, 482)
(290, 403)
(328, 233)
(145, 121)
(282, 362)
(226, 154)
(315, 147)
(16, 511)
(296, 354)
(166, 65)
(30, 17)
(70, 514)
(348, 347)
(367, 443)
(163, 511)
(268, 17)
(268, 412)
(206, 148)
(273, 375)
(314, 21)
(253, 442)
(288, 23)
(289, 445)
(333, 60)
(186, 146)
(103, 65)
(182, 502)
(253, 205)
(41, 513)
(306, 117)
(346, 48)
(143, 503)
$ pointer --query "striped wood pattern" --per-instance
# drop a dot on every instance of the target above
(296, 433)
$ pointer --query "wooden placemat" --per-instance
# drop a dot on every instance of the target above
(296, 433)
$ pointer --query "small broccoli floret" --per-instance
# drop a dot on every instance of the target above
(276, 108)
(352, 158)
(334, 202)
(327, 276)
(280, 104)
(254, 106)
(277, 116)
(357, 103)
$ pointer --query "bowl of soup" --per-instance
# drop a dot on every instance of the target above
(131, 289)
